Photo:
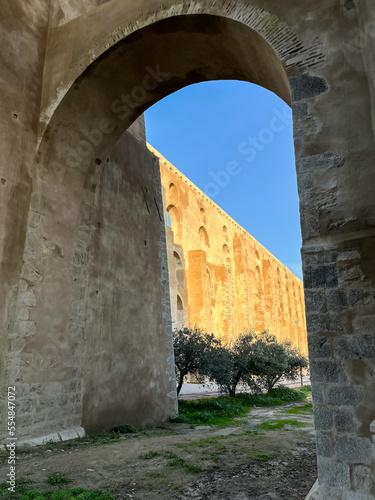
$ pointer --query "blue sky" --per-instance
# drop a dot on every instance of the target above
(234, 141)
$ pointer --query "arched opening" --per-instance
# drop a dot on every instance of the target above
(173, 194)
(175, 219)
(180, 313)
(180, 272)
(203, 216)
(204, 239)
(95, 112)
(226, 252)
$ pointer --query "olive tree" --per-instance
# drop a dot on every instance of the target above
(192, 348)
(273, 360)
(229, 366)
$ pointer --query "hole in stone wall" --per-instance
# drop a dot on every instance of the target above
(3, 181)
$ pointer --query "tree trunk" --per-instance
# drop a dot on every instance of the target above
(180, 383)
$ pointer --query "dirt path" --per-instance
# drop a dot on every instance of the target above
(261, 458)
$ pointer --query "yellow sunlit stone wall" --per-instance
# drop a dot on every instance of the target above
(221, 278)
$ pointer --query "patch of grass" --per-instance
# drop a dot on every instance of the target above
(301, 410)
(126, 429)
(56, 478)
(149, 455)
(223, 410)
(76, 493)
(260, 456)
(305, 388)
(276, 425)
(176, 461)
(21, 487)
(248, 433)
(154, 474)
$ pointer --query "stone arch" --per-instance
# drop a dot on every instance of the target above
(226, 252)
(173, 194)
(176, 222)
(204, 239)
(180, 312)
(117, 21)
(180, 272)
(203, 216)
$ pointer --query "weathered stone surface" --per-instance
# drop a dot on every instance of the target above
(323, 445)
(323, 418)
(318, 393)
(315, 300)
(324, 323)
(355, 347)
(319, 347)
(344, 395)
(346, 422)
(321, 276)
(354, 449)
(332, 473)
(362, 481)
(307, 86)
(327, 371)
(318, 162)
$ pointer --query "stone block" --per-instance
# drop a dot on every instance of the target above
(321, 276)
(307, 86)
(359, 297)
(346, 422)
(336, 299)
(324, 323)
(355, 347)
(364, 324)
(352, 495)
(299, 111)
(323, 418)
(332, 473)
(319, 347)
(40, 441)
(349, 4)
(320, 162)
(354, 449)
(327, 371)
(318, 393)
(344, 395)
(314, 300)
(361, 479)
(323, 445)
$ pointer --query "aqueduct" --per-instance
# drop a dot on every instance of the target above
(84, 307)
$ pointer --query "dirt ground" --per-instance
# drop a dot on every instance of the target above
(260, 458)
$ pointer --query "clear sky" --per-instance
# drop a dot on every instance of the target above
(234, 141)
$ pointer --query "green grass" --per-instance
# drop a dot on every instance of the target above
(260, 456)
(22, 486)
(301, 410)
(305, 388)
(173, 461)
(223, 410)
(57, 479)
(149, 455)
(276, 425)
(176, 461)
